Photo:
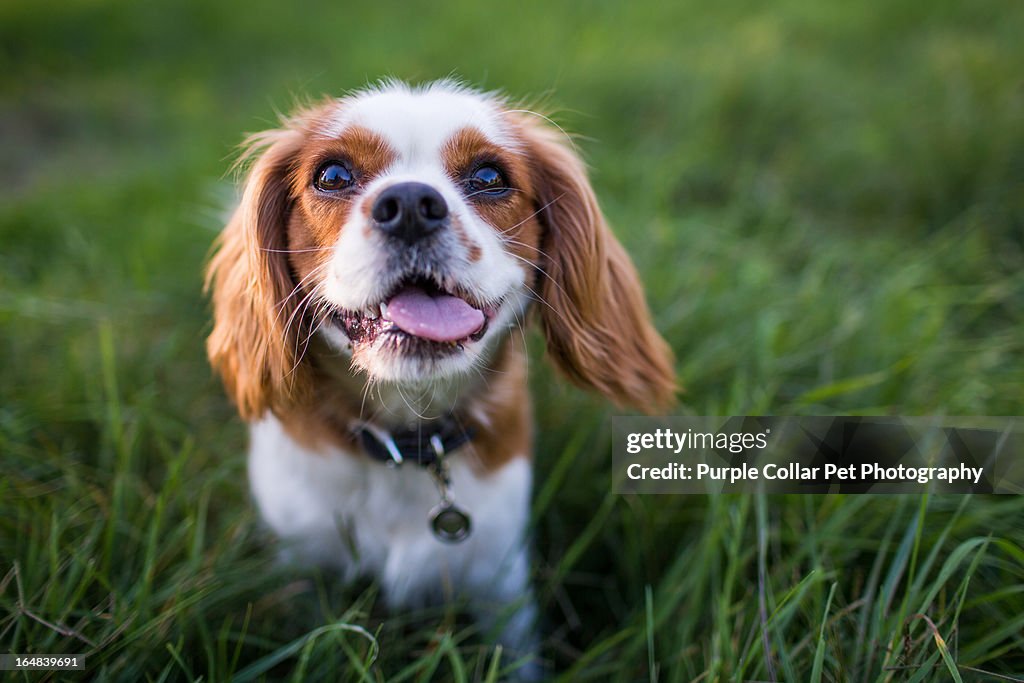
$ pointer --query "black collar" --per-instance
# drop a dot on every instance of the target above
(422, 444)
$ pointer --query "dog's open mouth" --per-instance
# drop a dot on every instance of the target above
(418, 315)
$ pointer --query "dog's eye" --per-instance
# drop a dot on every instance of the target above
(333, 176)
(487, 179)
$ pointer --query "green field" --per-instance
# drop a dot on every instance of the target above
(826, 203)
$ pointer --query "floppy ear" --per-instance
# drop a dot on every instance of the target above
(253, 342)
(594, 317)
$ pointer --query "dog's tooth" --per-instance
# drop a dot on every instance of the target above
(384, 311)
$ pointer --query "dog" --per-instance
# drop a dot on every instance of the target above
(369, 297)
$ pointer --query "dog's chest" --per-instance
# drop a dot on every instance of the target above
(347, 511)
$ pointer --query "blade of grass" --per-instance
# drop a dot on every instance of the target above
(940, 643)
(819, 651)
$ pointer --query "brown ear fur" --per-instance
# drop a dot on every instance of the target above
(252, 345)
(593, 313)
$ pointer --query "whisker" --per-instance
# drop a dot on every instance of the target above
(301, 282)
(535, 213)
(522, 335)
(296, 251)
(536, 296)
(296, 289)
(321, 315)
(524, 245)
(366, 391)
(401, 395)
(561, 130)
(301, 308)
(492, 189)
(299, 314)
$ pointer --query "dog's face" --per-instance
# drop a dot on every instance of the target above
(412, 228)
(413, 234)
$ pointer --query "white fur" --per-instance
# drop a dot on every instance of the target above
(420, 119)
(350, 512)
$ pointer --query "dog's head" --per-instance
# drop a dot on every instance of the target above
(411, 228)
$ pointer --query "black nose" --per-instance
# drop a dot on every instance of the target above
(410, 211)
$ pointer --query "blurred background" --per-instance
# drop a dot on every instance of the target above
(826, 203)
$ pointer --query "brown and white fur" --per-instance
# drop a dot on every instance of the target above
(300, 270)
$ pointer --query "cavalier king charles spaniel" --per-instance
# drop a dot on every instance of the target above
(369, 296)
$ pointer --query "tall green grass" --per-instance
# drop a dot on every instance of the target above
(825, 200)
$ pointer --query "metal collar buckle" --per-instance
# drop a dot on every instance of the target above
(387, 441)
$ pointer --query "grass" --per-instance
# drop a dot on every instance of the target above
(826, 201)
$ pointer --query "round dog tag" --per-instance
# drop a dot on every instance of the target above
(449, 523)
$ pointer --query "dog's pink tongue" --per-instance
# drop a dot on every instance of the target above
(438, 318)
